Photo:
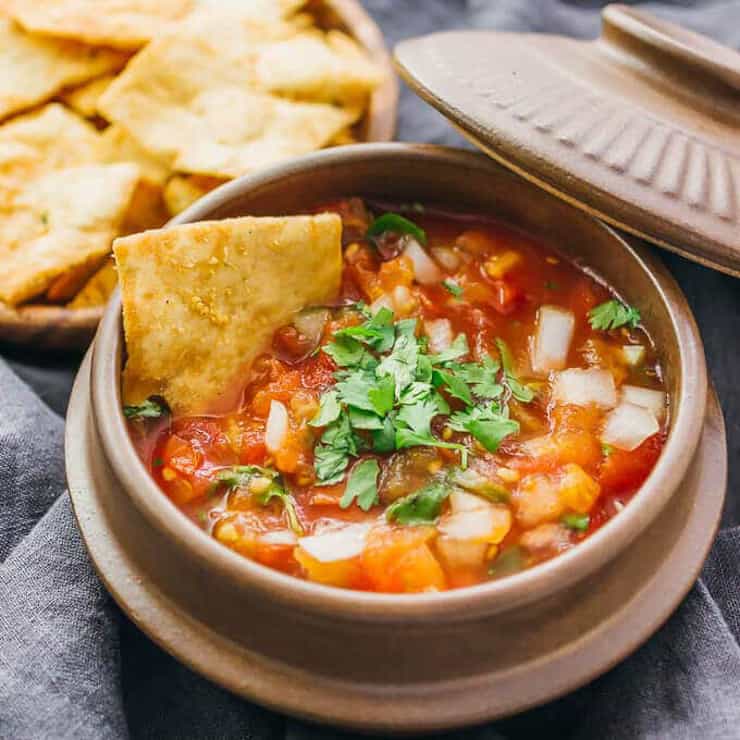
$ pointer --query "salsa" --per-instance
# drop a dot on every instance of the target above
(472, 404)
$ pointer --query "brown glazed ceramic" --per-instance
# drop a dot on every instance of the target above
(56, 327)
(640, 127)
(401, 663)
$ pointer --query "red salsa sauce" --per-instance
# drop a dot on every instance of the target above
(471, 405)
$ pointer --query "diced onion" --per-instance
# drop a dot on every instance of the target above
(552, 341)
(461, 553)
(425, 268)
(648, 398)
(276, 428)
(339, 544)
(278, 537)
(462, 501)
(479, 525)
(439, 332)
(633, 354)
(628, 426)
(446, 257)
(383, 302)
(585, 387)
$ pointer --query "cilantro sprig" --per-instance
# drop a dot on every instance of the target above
(521, 391)
(396, 224)
(420, 507)
(362, 485)
(265, 484)
(150, 409)
(613, 314)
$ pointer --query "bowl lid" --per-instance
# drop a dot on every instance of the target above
(640, 127)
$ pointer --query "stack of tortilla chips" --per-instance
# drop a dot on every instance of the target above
(117, 114)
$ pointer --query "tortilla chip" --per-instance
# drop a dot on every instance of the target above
(263, 11)
(147, 209)
(35, 69)
(201, 301)
(181, 191)
(123, 24)
(70, 283)
(188, 98)
(57, 222)
(84, 99)
(98, 289)
(318, 67)
(115, 144)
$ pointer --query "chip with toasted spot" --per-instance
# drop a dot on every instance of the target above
(320, 67)
(181, 191)
(36, 68)
(201, 301)
(84, 99)
(98, 289)
(57, 222)
(123, 24)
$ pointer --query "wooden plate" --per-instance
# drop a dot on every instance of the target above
(56, 327)
(607, 618)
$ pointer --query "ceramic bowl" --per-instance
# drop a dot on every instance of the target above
(60, 328)
(401, 663)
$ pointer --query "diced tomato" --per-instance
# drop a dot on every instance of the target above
(624, 470)
(505, 297)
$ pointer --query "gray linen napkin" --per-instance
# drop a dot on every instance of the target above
(72, 666)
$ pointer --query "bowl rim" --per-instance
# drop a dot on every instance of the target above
(457, 604)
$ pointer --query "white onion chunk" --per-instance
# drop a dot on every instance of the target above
(628, 426)
(552, 339)
(585, 387)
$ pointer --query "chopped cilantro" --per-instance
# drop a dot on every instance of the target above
(396, 224)
(486, 423)
(613, 314)
(150, 409)
(271, 487)
(420, 507)
(606, 449)
(576, 522)
(329, 410)
(362, 485)
(455, 385)
(519, 390)
(158, 462)
(360, 419)
(332, 454)
(384, 440)
(377, 332)
(481, 377)
(354, 390)
(382, 394)
(459, 348)
(453, 287)
(345, 351)
(401, 363)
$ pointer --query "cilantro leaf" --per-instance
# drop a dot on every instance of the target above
(455, 385)
(377, 332)
(459, 348)
(381, 395)
(354, 390)
(481, 377)
(150, 409)
(329, 410)
(401, 363)
(332, 454)
(519, 390)
(398, 225)
(413, 426)
(613, 314)
(345, 351)
(360, 419)
(415, 392)
(420, 507)
(453, 287)
(265, 484)
(486, 423)
(362, 485)
(576, 522)
(384, 440)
